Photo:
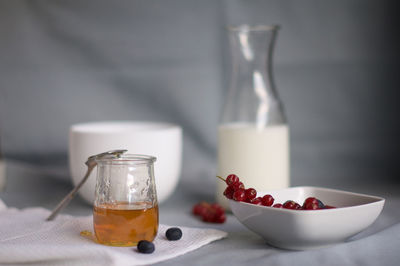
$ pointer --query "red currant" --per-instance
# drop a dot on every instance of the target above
(310, 206)
(218, 209)
(290, 204)
(212, 213)
(311, 200)
(267, 200)
(208, 216)
(277, 205)
(196, 209)
(236, 186)
(251, 193)
(204, 208)
(239, 195)
(229, 192)
(312, 203)
(220, 219)
(257, 201)
(200, 208)
(232, 179)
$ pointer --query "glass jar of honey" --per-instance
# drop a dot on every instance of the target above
(125, 209)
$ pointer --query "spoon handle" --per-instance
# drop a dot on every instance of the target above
(70, 195)
(91, 163)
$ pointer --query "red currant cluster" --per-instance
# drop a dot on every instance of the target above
(310, 203)
(211, 213)
(236, 191)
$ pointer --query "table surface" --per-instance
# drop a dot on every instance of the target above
(378, 245)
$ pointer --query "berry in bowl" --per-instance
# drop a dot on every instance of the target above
(325, 217)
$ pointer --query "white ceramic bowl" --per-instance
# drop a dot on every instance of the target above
(161, 140)
(305, 229)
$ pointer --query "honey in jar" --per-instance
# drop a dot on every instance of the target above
(125, 224)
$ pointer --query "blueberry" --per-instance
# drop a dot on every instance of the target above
(145, 246)
(320, 204)
(173, 233)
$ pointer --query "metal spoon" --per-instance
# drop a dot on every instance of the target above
(91, 164)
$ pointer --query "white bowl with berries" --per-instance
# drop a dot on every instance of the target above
(301, 218)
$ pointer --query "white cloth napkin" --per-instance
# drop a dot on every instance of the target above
(26, 238)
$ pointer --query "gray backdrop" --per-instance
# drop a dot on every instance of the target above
(336, 64)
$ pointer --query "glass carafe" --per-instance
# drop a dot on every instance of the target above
(253, 135)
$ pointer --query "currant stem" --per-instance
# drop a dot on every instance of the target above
(221, 178)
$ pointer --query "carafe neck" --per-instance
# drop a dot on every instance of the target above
(252, 95)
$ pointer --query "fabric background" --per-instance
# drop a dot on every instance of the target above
(336, 64)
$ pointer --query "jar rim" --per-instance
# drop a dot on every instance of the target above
(248, 28)
(132, 159)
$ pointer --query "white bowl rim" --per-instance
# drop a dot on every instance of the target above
(118, 126)
(376, 200)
